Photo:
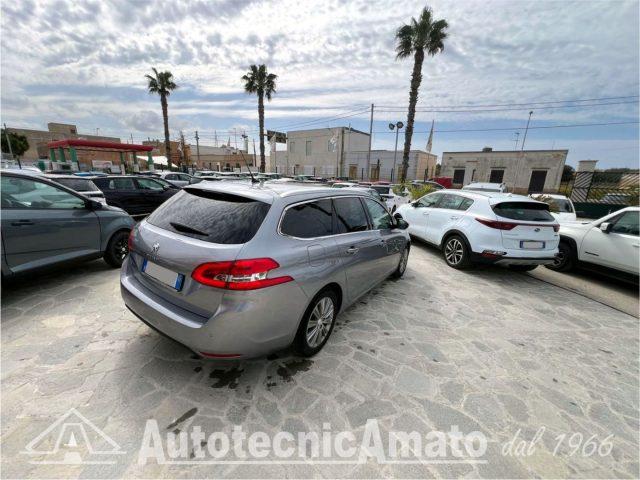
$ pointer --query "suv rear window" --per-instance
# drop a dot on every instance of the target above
(535, 212)
(211, 216)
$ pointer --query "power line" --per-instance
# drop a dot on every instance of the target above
(575, 125)
(547, 107)
(522, 104)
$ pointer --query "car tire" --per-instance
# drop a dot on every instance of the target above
(455, 252)
(117, 249)
(566, 259)
(324, 306)
(402, 264)
(522, 268)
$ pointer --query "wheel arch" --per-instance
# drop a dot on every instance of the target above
(450, 233)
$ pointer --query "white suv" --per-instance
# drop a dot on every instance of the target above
(474, 227)
(391, 199)
(611, 242)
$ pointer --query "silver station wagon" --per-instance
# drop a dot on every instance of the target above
(233, 270)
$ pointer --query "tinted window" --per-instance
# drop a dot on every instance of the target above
(120, 184)
(465, 204)
(308, 220)
(27, 193)
(450, 201)
(381, 189)
(496, 176)
(350, 216)
(537, 212)
(429, 200)
(148, 184)
(211, 216)
(77, 184)
(627, 223)
(380, 218)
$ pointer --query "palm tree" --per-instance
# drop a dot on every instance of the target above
(421, 36)
(162, 83)
(258, 81)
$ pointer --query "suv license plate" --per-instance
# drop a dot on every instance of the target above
(531, 245)
(164, 275)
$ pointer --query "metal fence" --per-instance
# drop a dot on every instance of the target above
(595, 194)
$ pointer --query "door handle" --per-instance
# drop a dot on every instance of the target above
(352, 250)
(454, 217)
(425, 213)
(636, 245)
(20, 223)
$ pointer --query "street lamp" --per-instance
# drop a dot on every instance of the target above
(397, 126)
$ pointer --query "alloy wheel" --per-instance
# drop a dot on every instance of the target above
(454, 251)
(121, 248)
(320, 322)
(559, 259)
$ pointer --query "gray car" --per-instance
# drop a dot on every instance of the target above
(233, 270)
(45, 223)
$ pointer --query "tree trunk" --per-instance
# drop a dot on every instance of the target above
(165, 119)
(416, 79)
(261, 122)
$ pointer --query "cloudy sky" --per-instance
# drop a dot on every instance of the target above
(84, 62)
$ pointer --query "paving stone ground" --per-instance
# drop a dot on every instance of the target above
(488, 350)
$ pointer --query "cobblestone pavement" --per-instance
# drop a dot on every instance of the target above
(486, 350)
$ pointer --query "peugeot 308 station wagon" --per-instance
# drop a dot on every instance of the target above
(233, 270)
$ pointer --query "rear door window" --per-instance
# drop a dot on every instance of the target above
(211, 216)
(450, 201)
(350, 215)
(535, 212)
(77, 184)
(308, 220)
(465, 204)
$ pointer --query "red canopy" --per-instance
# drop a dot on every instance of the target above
(95, 144)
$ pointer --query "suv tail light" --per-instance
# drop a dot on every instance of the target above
(239, 274)
(510, 226)
(130, 243)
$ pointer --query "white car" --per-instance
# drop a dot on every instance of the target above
(560, 206)
(391, 199)
(474, 227)
(611, 242)
(486, 187)
(176, 178)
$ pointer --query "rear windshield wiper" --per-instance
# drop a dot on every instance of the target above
(185, 229)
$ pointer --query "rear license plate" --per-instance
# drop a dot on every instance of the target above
(164, 275)
(531, 244)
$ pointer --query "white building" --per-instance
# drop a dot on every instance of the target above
(387, 165)
(528, 171)
(321, 151)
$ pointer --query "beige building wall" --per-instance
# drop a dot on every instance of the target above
(518, 167)
(420, 163)
(321, 151)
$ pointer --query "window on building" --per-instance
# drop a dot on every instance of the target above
(458, 176)
(332, 146)
(308, 148)
(496, 176)
(292, 147)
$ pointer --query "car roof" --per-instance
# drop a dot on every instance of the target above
(550, 195)
(270, 191)
(23, 171)
(493, 197)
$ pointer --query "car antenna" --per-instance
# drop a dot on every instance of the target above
(253, 180)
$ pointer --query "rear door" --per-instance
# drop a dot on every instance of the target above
(361, 248)
(535, 227)
(43, 224)
(617, 249)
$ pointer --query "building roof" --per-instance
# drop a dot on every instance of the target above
(507, 151)
(96, 144)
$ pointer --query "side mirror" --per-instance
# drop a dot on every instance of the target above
(401, 224)
(605, 227)
(415, 204)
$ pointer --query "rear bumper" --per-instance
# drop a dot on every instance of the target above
(245, 325)
(505, 260)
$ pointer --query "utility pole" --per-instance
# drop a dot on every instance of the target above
(131, 135)
(197, 149)
(517, 135)
(526, 130)
(397, 127)
(215, 136)
(369, 151)
(254, 152)
(6, 132)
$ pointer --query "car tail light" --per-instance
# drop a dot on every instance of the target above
(239, 275)
(497, 224)
(556, 228)
(130, 243)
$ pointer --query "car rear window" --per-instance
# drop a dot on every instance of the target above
(535, 212)
(308, 220)
(211, 216)
(77, 184)
(382, 190)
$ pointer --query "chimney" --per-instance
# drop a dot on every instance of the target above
(487, 149)
(587, 165)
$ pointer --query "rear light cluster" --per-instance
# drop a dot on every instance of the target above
(130, 242)
(239, 274)
(510, 225)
